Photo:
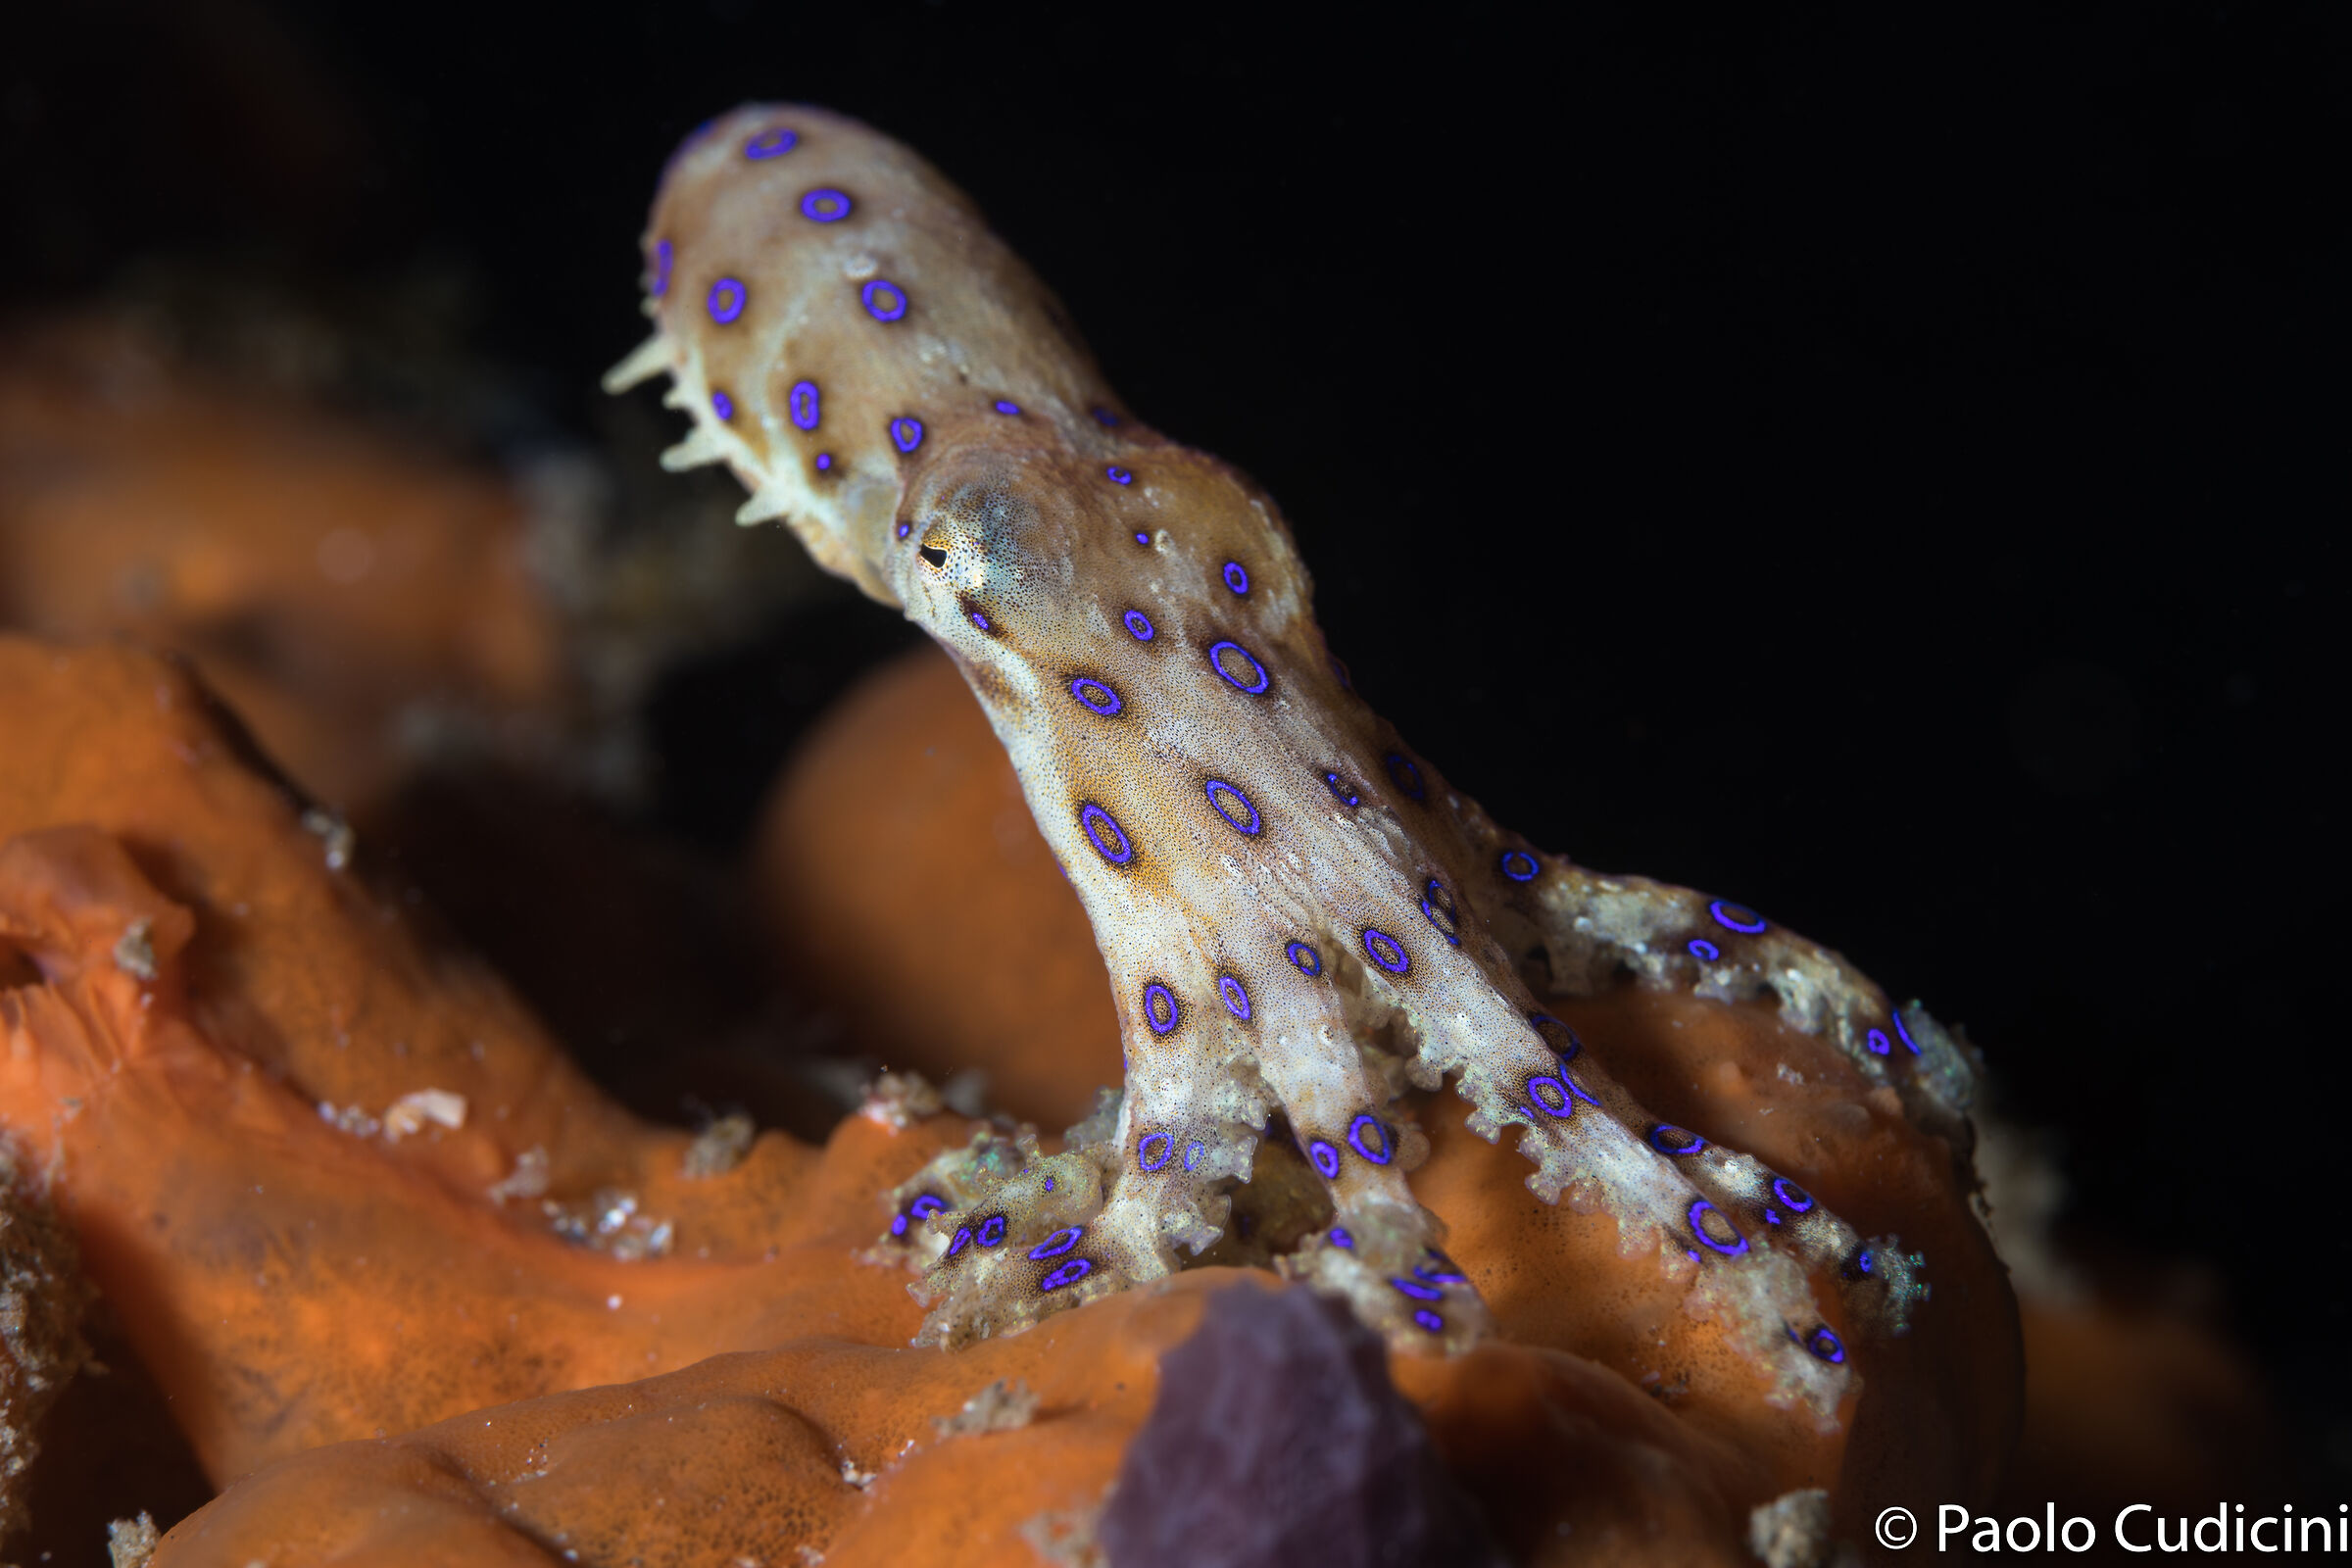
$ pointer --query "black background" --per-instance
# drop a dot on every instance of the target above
(1883, 463)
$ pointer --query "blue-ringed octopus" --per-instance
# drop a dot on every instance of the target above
(1303, 920)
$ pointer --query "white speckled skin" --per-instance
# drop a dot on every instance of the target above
(1021, 541)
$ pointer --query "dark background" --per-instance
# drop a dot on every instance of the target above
(1867, 461)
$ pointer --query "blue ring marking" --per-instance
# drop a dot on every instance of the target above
(1143, 1150)
(884, 300)
(805, 404)
(1324, 1157)
(1143, 538)
(723, 405)
(1905, 1034)
(773, 142)
(1450, 927)
(1800, 1200)
(726, 300)
(1214, 663)
(1005, 406)
(1248, 827)
(1418, 1291)
(1236, 995)
(1048, 1184)
(992, 1231)
(1878, 1042)
(1429, 1320)
(1736, 918)
(1309, 963)
(1163, 994)
(1826, 1345)
(1071, 1273)
(1566, 1106)
(825, 461)
(1139, 625)
(662, 259)
(1097, 822)
(1394, 961)
(1340, 792)
(1106, 418)
(1448, 1272)
(1568, 1053)
(1355, 1138)
(963, 1238)
(1408, 777)
(1096, 698)
(1664, 1138)
(1703, 950)
(1192, 1152)
(1236, 577)
(904, 527)
(826, 205)
(897, 1225)
(1731, 1248)
(1519, 865)
(1340, 1238)
(1057, 1244)
(905, 432)
(939, 1205)
(1340, 668)
(1862, 1261)
(1119, 475)
(979, 620)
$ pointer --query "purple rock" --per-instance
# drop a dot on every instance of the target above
(1278, 1440)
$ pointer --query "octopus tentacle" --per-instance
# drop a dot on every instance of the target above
(1300, 918)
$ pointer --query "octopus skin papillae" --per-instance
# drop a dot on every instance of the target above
(1303, 921)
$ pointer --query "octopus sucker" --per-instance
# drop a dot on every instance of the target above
(1303, 921)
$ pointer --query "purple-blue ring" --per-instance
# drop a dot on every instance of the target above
(1450, 926)
(774, 142)
(723, 405)
(1251, 826)
(1096, 698)
(1903, 1033)
(805, 404)
(1055, 1244)
(1324, 1157)
(1429, 1320)
(1567, 1102)
(1355, 1138)
(1395, 960)
(825, 461)
(1727, 914)
(978, 620)
(907, 432)
(1800, 1200)
(1006, 406)
(1236, 995)
(1339, 1236)
(1878, 1042)
(1309, 963)
(1143, 538)
(963, 1238)
(1519, 865)
(992, 1231)
(1106, 418)
(897, 1225)
(1703, 950)
(826, 205)
(1418, 1291)
(1142, 1154)
(1192, 1152)
(1214, 663)
(1408, 776)
(1340, 792)
(1574, 1046)
(884, 300)
(1096, 821)
(1659, 1135)
(661, 280)
(1118, 476)
(1175, 1009)
(1236, 577)
(1139, 625)
(726, 300)
(1826, 1345)
(1731, 1248)
(1071, 1273)
(1448, 1272)
(939, 1205)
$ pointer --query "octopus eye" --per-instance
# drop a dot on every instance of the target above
(933, 554)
